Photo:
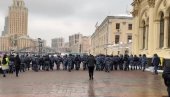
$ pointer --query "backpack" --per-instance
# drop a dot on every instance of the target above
(4, 61)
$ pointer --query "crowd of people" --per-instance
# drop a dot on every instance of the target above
(21, 63)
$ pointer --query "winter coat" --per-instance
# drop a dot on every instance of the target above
(91, 61)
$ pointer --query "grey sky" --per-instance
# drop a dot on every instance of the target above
(60, 18)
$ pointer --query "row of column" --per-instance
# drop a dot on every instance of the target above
(166, 23)
(166, 30)
(144, 32)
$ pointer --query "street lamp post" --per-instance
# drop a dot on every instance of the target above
(39, 46)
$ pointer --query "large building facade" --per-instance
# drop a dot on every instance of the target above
(18, 18)
(79, 43)
(75, 43)
(152, 27)
(113, 36)
(58, 44)
(14, 37)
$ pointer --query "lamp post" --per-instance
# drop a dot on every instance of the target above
(39, 46)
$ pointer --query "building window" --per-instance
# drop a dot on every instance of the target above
(130, 27)
(161, 41)
(117, 39)
(17, 3)
(129, 38)
(117, 25)
(143, 35)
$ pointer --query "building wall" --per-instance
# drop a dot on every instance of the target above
(147, 15)
(75, 43)
(4, 44)
(58, 44)
(15, 31)
(79, 43)
(18, 18)
(86, 44)
(103, 39)
(24, 43)
(5, 32)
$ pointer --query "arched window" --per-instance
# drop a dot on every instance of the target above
(144, 35)
(161, 41)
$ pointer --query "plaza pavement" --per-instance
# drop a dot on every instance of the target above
(77, 84)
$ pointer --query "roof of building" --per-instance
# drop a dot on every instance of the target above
(121, 16)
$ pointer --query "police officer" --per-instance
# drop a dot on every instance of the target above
(11, 63)
(77, 61)
(140, 62)
(52, 61)
(102, 60)
(47, 63)
(22, 65)
(41, 63)
(126, 62)
(85, 59)
(121, 61)
(156, 61)
(35, 63)
(28, 61)
(65, 62)
(116, 62)
(97, 63)
(107, 63)
(131, 62)
(144, 62)
(70, 62)
(136, 62)
(17, 64)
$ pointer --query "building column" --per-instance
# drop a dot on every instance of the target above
(157, 34)
(146, 36)
(140, 38)
(166, 22)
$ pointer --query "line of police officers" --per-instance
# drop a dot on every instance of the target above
(69, 62)
(105, 63)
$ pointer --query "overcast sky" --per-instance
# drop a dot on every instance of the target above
(60, 18)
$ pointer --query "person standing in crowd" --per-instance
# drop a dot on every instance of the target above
(135, 62)
(11, 63)
(65, 62)
(131, 62)
(166, 77)
(91, 65)
(17, 64)
(144, 62)
(5, 65)
(107, 63)
(121, 61)
(126, 62)
(140, 62)
(70, 62)
(156, 61)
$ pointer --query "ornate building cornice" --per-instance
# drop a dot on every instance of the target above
(134, 13)
(151, 3)
(135, 5)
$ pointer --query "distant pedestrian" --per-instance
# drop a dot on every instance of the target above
(91, 65)
(144, 62)
(156, 61)
(17, 64)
